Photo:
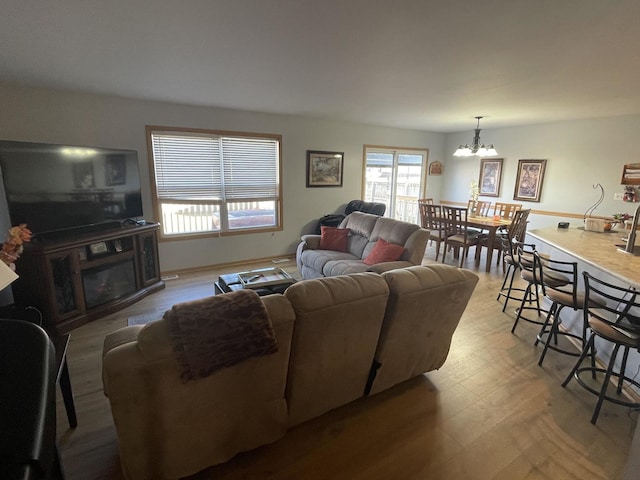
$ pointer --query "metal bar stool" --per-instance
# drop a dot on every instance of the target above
(561, 287)
(616, 320)
(516, 232)
(509, 260)
(531, 272)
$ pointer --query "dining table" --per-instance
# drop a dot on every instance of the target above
(491, 225)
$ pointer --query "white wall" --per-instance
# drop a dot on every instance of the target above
(38, 115)
(579, 155)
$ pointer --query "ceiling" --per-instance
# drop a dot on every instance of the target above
(420, 64)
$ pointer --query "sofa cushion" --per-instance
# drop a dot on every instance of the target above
(317, 259)
(392, 231)
(384, 252)
(424, 308)
(361, 225)
(337, 326)
(333, 238)
(344, 267)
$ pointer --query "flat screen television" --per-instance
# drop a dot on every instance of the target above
(55, 188)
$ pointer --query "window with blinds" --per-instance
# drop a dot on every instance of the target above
(215, 182)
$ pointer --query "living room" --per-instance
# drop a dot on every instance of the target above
(583, 146)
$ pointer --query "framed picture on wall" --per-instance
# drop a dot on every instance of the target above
(529, 180)
(435, 168)
(324, 169)
(490, 177)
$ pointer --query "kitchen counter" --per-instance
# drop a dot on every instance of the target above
(594, 248)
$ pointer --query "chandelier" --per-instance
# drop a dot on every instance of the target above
(476, 148)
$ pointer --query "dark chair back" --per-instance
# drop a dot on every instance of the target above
(621, 307)
(366, 207)
(518, 228)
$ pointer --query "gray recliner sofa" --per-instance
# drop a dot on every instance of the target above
(365, 230)
(338, 339)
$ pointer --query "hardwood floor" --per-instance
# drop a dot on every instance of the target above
(489, 413)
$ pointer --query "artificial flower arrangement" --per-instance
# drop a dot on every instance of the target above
(13, 246)
(474, 192)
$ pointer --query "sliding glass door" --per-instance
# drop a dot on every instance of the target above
(395, 177)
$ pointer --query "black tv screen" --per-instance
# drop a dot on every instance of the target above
(57, 187)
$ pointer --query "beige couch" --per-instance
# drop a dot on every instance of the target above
(338, 339)
(365, 230)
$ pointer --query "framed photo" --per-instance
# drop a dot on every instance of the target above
(116, 173)
(324, 169)
(435, 168)
(529, 180)
(490, 177)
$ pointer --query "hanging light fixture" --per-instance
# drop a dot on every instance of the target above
(476, 148)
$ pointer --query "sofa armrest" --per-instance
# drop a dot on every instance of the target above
(416, 246)
(312, 241)
(386, 266)
(120, 337)
(308, 242)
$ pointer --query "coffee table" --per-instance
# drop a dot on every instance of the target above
(263, 281)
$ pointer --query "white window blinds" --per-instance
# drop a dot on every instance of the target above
(250, 168)
(215, 168)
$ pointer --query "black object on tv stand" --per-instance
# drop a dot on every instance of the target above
(73, 279)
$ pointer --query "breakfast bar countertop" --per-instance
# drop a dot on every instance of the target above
(595, 248)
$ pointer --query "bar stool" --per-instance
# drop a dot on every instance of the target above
(531, 272)
(563, 293)
(516, 230)
(616, 320)
(510, 265)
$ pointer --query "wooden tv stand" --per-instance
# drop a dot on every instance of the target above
(81, 277)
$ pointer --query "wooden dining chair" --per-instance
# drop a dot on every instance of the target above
(479, 208)
(506, 210)
(427, 200)
(432, 221)
(458, 235)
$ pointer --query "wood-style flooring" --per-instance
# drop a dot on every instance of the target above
(489, 413)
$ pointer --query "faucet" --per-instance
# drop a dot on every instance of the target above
(631, 239)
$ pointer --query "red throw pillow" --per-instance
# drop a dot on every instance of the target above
(384, 252)
(333, 238)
